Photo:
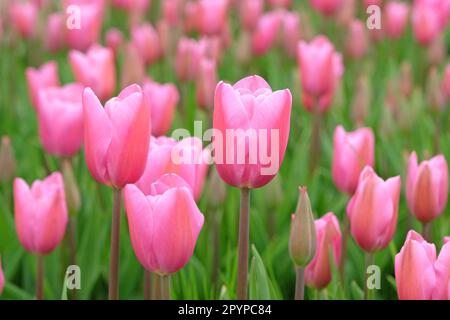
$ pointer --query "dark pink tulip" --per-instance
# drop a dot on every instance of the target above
(321, 69)
(189, 53)
(328, 244)
(117, 137)
(23, 17)
(40, 213)
(427, 187)
(172, 11)
(190, 16)
(265, 35)
(396, 18)
(54, 37)
(206, 83)
(146, 40)
(2, 277)
(211, 16)
(163, 101)
(357, 39)
(87, 33)
(249, 13)
(373, 210)
(44, 77)
(163, 227)
(327, 7)
(426, 21)
(258, 118)
(132, 5)
(291, 32)
(95, 69)
(114, 40)
(60, 114)
(415, 269)
(163, 158)
(352, 151)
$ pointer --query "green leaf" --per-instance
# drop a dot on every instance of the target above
(260, 286)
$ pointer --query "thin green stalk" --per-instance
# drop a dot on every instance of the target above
(300, 283)
(244, 228)
(115, 248)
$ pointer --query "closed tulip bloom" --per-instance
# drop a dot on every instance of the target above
(396, 18)
(265, 35)
(357, 39)
(326, 7)
(95, 69)
(172, 11)
(54, 39)
(189, 53)
(250, 107)
(291, 32)
(206, 83)
(84, 31)
(163, 227)
(44, 77)
(132, 5)
(249, 13)
(415, 268)
(373, 210)
(23, 17)
(163, 101)
(427, 187)
(146, 40)
(442, 267)
(211, 16)
(40, 213)
(60, 115)
(426, 22)
(329, 244)
(352, 151)
(163, 158)
(114, 39)
(2, 277)
(117, 137)
(321, 69)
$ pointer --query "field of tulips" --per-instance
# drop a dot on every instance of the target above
(224, 149)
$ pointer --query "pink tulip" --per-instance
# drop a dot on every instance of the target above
(117, 137)
(373, 210)
(259, 119)
(249, 13)
(23, 17)
(146, 40)
(54, 39)
(114, 40)
(427, 187)
(60, 114)
(352, 151)
(163, 101)
(206, 83)
(327, 7)
(427, 23)
(82, 36)
(291, 32)
(265, 35)
(190, 16)
(373, 3)
(329, 240)
(189, 53)
(132, 5)
(442, 267)
(171, 11)
(414, 268)
(396, 17)
(163, 227)
(446, 83)
(357, 39)
(280, 3)
(320, 68)
(2, 277)
(40, 213)
(44, 77)
(163, 159)
(211, 16)
(95, 69)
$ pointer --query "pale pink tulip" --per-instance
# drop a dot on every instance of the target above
(117, 137)
(206, 83)
(23, 17)
(280, 3)
(211, 16)
(265, 35)
(54, 38)
(44, 77)
(442, 267)
(290, 32)
(249, 13)
(396, 18)
(172, 11)
(114, 40)
(357, 39)
(373, 210)
(40, 213)
(189, 53)
(426, 21)
(146, 40)
(427, 187)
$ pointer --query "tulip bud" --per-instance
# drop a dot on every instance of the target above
(71, 187)
(2, 277)
(133, 70)
(302, 243)
(356, 43)
(7, 160)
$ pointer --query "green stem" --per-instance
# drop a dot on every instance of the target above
(115, 248)
(369, 262)
(300, 283)
(147, 285)
(427, 231)
(40, 278)
(165, 287)
(244, 226)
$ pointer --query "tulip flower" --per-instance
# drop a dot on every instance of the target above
(280, 3)
(133, 69)
(426, 21)
(175, 223)
(44, 77)
(442, 267)
(356, 42)
(352, 151)
(185, 158)
(211, 16)
(146, 40)
(329, 241)
(54, 39)
(2, 278)
(247, 117)
(60, 114)
(249, 13)
(396, 14)
(163, 101)
(131, 5)
(373, 210)
(116, 146)
(171, 11)
(291, 32)
(23, 17)
(265, 34)
(327, 7)
(114, 40)
(427, 189)
(41, 218)
(206, 83)
(189, 53)
(95, 69)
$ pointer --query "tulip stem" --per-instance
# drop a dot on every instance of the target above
(345, 237)
(115, 246)
(40, 278)
(300, 283)
(244, 227)
(216, 250)
(315, 142)
(165, 287)
(156, 286)
(147, 285)
(369, 262)
(426, 231)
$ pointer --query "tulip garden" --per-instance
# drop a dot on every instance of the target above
(224, 149)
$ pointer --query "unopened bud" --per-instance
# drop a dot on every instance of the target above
(71, 187)
(7, 160)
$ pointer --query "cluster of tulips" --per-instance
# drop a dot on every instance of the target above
(159, 180)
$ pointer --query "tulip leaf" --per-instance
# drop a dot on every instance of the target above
(260, 285)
